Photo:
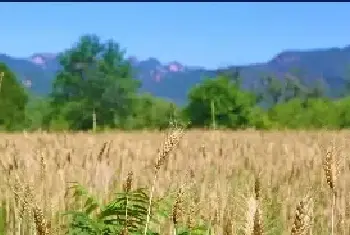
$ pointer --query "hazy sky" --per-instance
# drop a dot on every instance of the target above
(206, 34)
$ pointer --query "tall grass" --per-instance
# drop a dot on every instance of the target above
(198, 182)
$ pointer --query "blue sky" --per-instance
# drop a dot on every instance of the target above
(205, 34)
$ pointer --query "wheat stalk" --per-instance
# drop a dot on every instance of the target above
(170, 144)
(127, 186)
(331, 172)
(258, 228)
(249, 223)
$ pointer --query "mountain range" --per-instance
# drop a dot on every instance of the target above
(173, 80)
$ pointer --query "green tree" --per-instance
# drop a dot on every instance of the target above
(346, 88)
(271, 90)
(343, 111)
(13, 100)
(95, 79)
(36, 110)
(151, 112)
(317, 90)
(234, 74)
(298, 113)
(233, 107)
(296, 87)
(293, 88)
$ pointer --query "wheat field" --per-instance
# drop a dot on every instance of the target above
(231, 182)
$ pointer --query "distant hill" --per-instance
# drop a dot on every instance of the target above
(173, 80)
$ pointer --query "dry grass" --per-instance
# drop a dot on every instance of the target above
(244, 182)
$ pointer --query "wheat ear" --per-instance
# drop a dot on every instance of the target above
(303, 217)
(330, 169)
(177, 210)
(170, 144)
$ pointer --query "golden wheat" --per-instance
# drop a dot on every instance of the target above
(221, 166)
(303, 217)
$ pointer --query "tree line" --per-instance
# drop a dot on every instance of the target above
(95, 89)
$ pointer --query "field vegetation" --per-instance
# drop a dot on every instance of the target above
(202, 182)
